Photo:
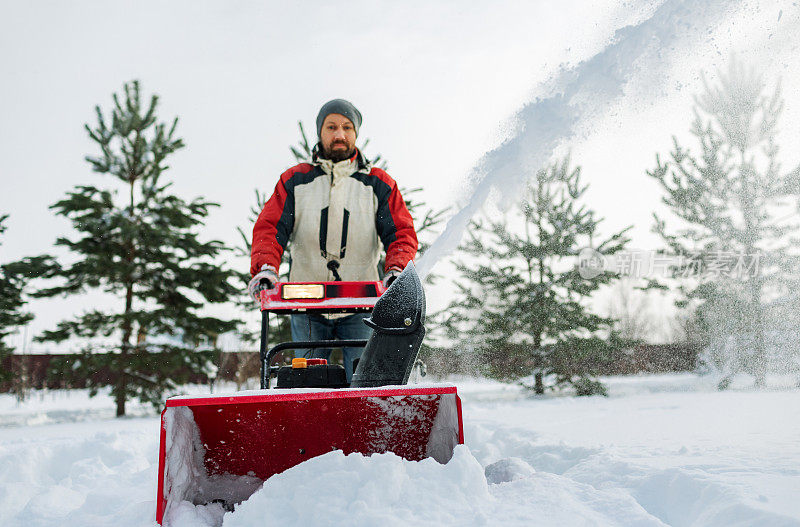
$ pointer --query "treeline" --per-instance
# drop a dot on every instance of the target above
(525, 275)
(241, 368)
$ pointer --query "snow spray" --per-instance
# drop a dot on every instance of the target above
(578, 95)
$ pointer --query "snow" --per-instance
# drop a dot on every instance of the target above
(661, 450)
(444, 432)
(335, 489)
(576, 99)
(296, 391)
(186, 477)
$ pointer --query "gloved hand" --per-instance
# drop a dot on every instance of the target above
(264, 279)
(390, 276)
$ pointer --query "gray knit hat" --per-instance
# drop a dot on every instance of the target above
(341, 107)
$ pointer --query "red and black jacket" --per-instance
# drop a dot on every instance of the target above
(325, 211)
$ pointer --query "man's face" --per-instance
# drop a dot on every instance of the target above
(338, 137)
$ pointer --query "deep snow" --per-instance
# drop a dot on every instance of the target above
(661, 450)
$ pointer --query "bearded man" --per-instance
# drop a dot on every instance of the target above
(333, 214)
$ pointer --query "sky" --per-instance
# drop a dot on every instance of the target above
(437, 83)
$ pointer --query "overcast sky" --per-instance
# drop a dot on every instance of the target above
(436, 83)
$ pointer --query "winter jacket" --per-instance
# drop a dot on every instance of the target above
(334, 211)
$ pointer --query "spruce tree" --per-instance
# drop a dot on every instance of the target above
(521, 304)
(138, 242)
(737, 212)
(11, 314)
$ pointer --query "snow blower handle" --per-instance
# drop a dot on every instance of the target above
(286, 298)
(264, 334)
(262, 298)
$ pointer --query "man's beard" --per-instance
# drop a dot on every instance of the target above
(338, 154)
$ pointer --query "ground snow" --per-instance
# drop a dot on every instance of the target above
(383, 489)
(661, 450)
(100, 473)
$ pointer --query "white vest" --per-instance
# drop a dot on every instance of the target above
(334, 219)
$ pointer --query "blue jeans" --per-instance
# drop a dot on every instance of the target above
(317, 327)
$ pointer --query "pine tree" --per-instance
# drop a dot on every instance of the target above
(11, 314)
(137, 241)
(731, 202)
(521, 304)
(14, 277)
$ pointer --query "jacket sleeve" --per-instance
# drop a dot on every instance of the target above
(273, 227)
(394, 224)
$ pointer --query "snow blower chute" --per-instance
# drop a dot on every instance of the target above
(220, 448)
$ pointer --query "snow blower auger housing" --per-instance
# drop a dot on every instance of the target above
(221, 448)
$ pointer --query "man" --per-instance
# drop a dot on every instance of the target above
(333, 213)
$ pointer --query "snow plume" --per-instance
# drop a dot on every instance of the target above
(637, 54)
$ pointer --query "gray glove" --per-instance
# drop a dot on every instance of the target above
(390, 276)
(264, 279)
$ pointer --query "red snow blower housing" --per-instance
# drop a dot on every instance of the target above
(221, 448)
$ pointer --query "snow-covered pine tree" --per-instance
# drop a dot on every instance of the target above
(521, 303)
(137, 241)
(737, 220)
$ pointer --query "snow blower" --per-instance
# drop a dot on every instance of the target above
(221, 448)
